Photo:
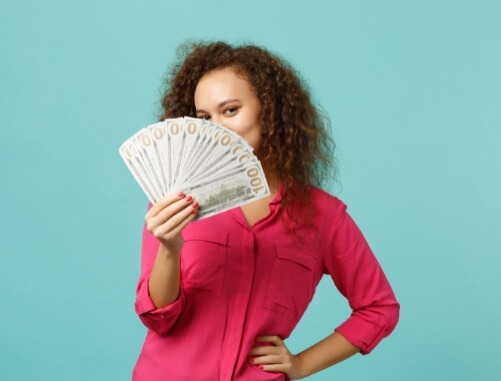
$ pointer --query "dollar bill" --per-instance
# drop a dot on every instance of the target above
(198, 157)
(157, 133)
(146, 146)
(135, 165)
(175, 146)
(230, 190)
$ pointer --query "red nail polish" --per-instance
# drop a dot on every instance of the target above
(251, 361)
(195, 205)
(195, 211)
(189, 198)
(180, 194)
(261, 367)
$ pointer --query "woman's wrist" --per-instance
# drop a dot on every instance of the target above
(301, 368)
(169, 251)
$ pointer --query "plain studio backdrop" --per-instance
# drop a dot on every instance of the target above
(413, 92)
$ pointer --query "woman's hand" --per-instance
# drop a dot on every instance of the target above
(168, 217)
(276, 358)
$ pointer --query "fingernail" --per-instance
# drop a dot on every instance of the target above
(180, 194)
(250, 361)
(189, 198)
(195, 211)
(195, 205)
(261, 367)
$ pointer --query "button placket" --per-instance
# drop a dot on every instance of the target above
(242, 297)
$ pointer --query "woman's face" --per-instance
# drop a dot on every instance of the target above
(227, 99)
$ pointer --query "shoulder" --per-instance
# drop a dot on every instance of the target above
(329, 210)
(327, 202)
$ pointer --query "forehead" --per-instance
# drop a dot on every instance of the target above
(222, 84)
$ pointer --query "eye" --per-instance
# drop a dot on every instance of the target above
(204, 117)
(230, 110)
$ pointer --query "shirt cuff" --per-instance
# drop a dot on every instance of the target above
(144, 304)
(363, 334)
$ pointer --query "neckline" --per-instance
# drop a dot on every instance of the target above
(238, 214)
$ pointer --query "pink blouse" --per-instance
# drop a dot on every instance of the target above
(240, 282)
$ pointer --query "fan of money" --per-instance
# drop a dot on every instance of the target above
(198, 157)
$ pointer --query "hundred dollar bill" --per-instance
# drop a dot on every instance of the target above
(191, 132)
(191, 135)
(199, 157)
(197, 142)
(229, 152)
(147, 145)
(160, 150)
(205, 145)
(234, 188)
(205, 154)
(235, 157)
(175, 146)
(135, 167)
(144, 160)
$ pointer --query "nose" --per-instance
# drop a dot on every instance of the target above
(216, 119)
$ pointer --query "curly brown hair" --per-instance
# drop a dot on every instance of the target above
(296, 148)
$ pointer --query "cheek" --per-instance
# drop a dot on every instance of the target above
(247, 125)
(243, 125)
(252, 133)
(254, 138)
(251, 124)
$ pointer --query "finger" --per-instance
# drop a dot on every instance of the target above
(175, 224)
(169, 211)
(269, 359)
(163, 203)
(264, 350)
(274, 339)
(274, 368)
(186, 221)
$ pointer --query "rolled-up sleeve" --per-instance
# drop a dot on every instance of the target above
(359, 277)
(162, 319)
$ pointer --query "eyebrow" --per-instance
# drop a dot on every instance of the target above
(222, 104)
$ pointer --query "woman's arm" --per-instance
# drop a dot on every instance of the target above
(163, 284)
(330, 351)
(159, 296)
(165, 220)
(359, 277)
(277, 358)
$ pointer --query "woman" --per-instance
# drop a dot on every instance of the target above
(219, 296)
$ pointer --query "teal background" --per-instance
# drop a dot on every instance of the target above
(413, 92)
